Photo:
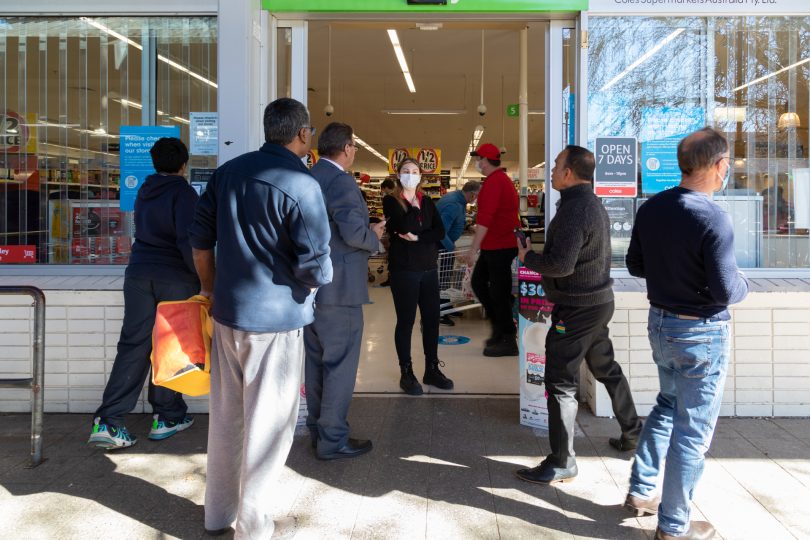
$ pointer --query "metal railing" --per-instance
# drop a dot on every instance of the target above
(36, 381)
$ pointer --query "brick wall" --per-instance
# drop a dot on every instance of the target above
(769, 372)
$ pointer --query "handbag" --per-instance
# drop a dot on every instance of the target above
(181, 345)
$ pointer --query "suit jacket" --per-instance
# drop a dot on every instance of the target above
(352, 241)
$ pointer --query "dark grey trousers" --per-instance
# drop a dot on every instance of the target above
(332, 348)
(132, 364)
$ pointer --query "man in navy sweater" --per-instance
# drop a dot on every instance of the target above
(265, 215)
(683, 244)
(160, 268)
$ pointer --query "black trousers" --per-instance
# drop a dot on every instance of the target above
(577, 333)
(411, 289)
(492, 284)
(132, 364)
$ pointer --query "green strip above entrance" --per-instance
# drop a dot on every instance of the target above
(401, 6)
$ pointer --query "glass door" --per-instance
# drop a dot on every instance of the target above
(288, 73)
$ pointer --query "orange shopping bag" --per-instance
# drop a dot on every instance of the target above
(181, 346)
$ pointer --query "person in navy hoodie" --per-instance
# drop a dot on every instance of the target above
(160, 268)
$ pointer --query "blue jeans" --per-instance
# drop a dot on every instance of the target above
(692, 358)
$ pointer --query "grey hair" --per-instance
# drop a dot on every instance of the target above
(471, 186)
(283, 119)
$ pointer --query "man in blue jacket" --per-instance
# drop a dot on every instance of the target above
(160, 268)
(333, 341)
(452, 208)
(264, 214)
(683, 244)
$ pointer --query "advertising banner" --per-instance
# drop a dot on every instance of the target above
(429, 159)
(616, 173)
(18, 254)
(136, 163)
(534, 321)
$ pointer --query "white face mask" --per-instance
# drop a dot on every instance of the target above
(478, 167)
(409, 180)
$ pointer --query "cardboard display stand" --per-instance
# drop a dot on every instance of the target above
(534, 322)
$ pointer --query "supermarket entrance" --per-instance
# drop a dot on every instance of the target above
(434, 90)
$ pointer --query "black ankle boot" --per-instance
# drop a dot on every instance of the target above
(434, 376)
(408, 381)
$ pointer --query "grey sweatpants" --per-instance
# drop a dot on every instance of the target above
(255, 381)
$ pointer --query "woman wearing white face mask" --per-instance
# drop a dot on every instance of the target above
(415, 229)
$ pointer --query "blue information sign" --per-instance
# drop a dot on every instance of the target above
(136, 163)
(662, 130)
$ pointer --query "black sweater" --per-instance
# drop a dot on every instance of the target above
(164, 210)
(425, 222)
(575, 262)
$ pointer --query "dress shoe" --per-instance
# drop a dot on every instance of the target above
(492, 340)
(623, 444)
(447, 321)
(506, 346)
(352, 449)
(641, 507)
(698, 530)
(546, 473)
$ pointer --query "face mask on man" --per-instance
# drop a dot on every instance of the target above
(478, 167)
(409, 180)
(725, 179)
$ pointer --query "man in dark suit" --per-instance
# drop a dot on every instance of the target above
(332, 342)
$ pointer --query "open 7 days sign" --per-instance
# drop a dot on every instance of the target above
(616, 173)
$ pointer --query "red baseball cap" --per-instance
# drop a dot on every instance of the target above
(487, 150)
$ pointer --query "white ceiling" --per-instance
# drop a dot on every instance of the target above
(446, 68)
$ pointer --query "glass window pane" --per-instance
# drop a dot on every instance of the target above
(657, 79)
(66, 87)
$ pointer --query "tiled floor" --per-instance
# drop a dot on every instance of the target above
(471, 372)
(441, 468)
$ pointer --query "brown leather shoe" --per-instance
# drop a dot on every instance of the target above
(698, 530)
(641, 507)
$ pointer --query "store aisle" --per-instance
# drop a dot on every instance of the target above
(472, 372)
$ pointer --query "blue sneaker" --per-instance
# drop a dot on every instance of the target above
(163, 429)
(110, 437)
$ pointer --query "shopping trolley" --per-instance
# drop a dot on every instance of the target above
(454, 283)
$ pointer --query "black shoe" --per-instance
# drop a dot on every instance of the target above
(623, 443)
(507, 346)
(385, 283)
(217, 532)
(457, 315)
(434, 376)
(447, 321)
(352, 449)
(408, 382)
(546, 473)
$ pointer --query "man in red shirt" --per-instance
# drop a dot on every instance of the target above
(494, 236)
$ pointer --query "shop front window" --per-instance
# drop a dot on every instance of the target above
(658, 79)
(67, 87)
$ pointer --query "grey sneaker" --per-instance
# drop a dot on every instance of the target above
(110, 437)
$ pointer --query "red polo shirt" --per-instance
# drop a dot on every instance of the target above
(498, 211)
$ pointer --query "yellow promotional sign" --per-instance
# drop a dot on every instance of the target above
(31, 147)
(312, 158)
(429, 159)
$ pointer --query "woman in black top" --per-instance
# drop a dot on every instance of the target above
(415, 229)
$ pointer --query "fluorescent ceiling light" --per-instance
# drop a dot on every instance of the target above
(365, 145)
(477, 134)
(768, 76)
(537, 112)
(403, 65)
(539, 165)
(136, 105)
(429, 26)
(643, 58)
(45, 123)
(172, 63)
(425, 111)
